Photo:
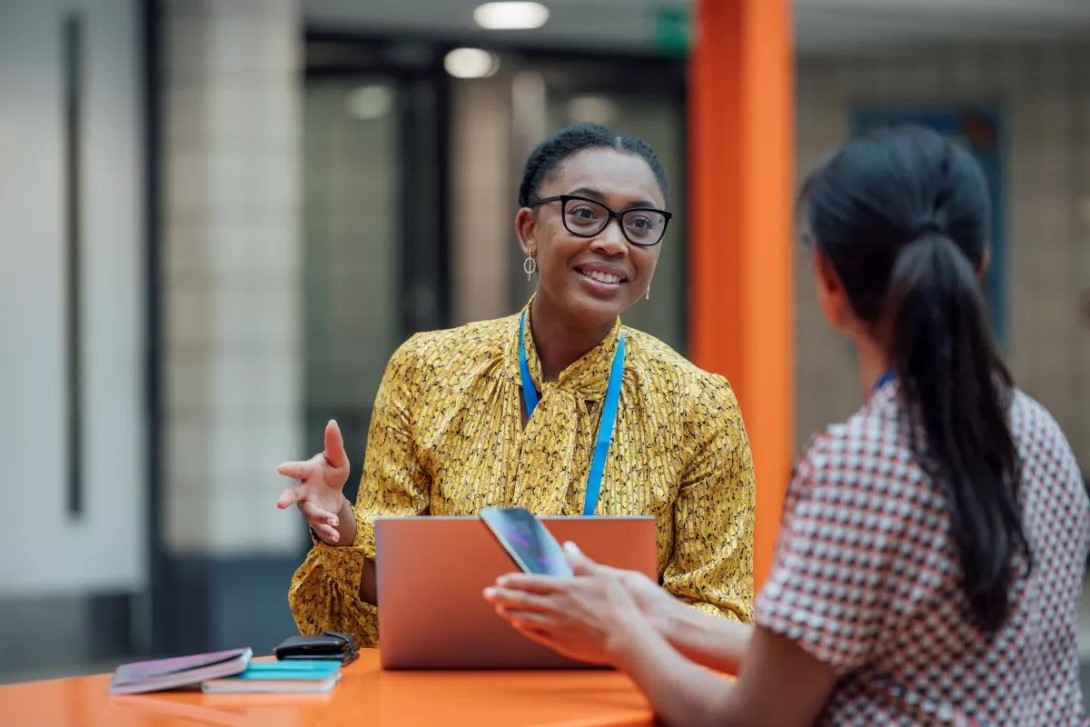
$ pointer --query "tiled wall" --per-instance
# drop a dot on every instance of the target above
(1044, 92)
(232, 274)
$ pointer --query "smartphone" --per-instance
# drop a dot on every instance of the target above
(532, 548)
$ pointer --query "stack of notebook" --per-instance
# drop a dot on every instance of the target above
(227, 672)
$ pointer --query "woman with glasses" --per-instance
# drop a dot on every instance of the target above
(932, 550)
(559, 409)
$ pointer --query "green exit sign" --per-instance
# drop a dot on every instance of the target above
(670, 28)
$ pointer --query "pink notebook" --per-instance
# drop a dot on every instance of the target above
(180, 671)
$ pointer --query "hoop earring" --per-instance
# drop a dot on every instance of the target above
(529, 266)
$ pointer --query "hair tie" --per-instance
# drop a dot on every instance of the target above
(930, 227)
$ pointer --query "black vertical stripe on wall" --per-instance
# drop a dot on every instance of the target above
(72, 49)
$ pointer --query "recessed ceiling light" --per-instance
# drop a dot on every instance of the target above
(471, 63)
(511, 15)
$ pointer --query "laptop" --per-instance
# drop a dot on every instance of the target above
(431, 572)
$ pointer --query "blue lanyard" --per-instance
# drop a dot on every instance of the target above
(884, 379)
(605, 424)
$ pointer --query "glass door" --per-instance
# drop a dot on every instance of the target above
(374, 254)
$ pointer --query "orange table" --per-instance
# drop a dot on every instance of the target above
(365, 696)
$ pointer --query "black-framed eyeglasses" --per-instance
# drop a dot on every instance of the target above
(642, 226)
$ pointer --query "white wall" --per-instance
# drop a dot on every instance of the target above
(45, 550)
(1044, 91)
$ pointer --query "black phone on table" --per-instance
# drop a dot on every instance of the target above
(526, 540)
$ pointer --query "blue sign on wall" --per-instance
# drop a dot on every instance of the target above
(978, 128)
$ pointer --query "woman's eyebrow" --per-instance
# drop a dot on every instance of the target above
(596, 195)
(588, 192)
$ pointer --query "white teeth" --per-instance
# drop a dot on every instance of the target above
(602, 277)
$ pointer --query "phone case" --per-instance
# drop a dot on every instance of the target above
(330, 645)
(528, 543)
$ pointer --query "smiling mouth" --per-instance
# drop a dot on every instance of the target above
(602, 277)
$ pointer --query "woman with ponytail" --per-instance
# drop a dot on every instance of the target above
(932, 549)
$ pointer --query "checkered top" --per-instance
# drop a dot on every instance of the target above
(866, 578)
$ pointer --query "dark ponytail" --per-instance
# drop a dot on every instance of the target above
(902, 217)
(944, 356)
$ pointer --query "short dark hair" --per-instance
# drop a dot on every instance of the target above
(902, 216)
(549, 154)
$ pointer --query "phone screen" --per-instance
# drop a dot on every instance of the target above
(527, 542)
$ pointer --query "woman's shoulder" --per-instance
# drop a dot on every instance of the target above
(1039, 437)
(873, 441)
(666, 370)
(453, 349)
(1031, 420)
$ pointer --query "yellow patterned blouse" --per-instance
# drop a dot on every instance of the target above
(447, 438)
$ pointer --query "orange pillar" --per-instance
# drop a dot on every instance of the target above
(741, 157)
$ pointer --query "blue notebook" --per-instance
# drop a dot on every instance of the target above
(279, 677)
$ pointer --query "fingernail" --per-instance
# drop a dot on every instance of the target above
(489, 592)
(333, 521)
(503, 580)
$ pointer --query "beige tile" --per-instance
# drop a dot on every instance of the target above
(187, 43)
(188, 311)
(187, 387)
(186, 248)
(229, 176)
(229, 247)
(186, 523)
(242, 523)
(275, 440)
(185, 120)
(235, 43)
(187, 181)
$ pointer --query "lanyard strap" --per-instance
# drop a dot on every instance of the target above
(605, 424)
(529, 393)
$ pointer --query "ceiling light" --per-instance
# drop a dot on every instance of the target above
(511, 15)
(370, 102)
(471, 63)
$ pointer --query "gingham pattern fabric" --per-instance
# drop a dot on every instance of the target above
(866, 579)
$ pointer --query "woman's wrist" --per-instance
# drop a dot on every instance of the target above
(631, 639)
(669, 617)
(346, 522)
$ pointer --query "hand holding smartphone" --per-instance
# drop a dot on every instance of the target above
(528, 543)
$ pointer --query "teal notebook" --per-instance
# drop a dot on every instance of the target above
(279, 677)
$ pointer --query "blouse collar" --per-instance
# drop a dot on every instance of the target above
(587, 377)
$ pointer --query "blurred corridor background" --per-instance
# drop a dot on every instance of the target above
(218, 218)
